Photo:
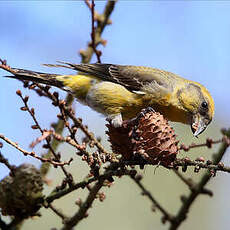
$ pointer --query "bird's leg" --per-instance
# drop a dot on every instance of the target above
(116, 120)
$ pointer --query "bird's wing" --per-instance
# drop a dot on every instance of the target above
(134, 78)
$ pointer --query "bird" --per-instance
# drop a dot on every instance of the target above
(120, 92)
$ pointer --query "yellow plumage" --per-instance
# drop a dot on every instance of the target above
(120, 92)
(79, 85)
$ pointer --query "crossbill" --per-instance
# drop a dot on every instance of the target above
(121, 91)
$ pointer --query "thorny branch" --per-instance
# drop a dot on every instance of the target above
(102, 174)
(84, 207)
(191, 184)
(58, 212)
(210, 165)
(56, 194)
(93, 17)
(68, 112)
(37, 126)
(102, 21)
(209, 143)
(82, 212)
(32, 154)
(4, 161)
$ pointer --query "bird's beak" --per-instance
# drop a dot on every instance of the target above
(198, 124)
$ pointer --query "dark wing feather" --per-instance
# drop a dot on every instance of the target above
(137, 77)
(131, 77)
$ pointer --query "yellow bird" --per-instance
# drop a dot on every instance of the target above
(121, 91)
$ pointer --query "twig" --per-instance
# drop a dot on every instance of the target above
(180, 163)
(108, 174)
(88, 4)
(62, 105)
(187, 181)
(90, 135)
(70, 141)
(4, 161)
(103, 20)
(45, 134)
(58, 212)
(84, 207)
(166, 215)
(97, 52)
(32, 154)
(93, 16)
(77, 121)
(191, 184)
(209, 142)
(32, 114)
(182, 213)
(82, 212)
(215, 167)
(4, 66)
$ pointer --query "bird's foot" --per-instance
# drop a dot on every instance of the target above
(144, 112)
(115, 120)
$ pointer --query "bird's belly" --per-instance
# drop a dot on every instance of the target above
(109, 98)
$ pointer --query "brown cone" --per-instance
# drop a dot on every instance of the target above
(148, 136)
(21, 194)
(121, 140)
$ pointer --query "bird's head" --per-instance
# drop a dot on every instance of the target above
(197, 101)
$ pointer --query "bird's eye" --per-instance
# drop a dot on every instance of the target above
(204, 105)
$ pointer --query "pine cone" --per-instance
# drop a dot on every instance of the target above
(121, 140)
(21, 194)
(156, 140)
(148, 136)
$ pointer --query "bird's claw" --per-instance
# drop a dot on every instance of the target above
(144, 112)
(134, 121)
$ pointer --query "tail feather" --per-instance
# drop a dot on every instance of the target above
(58, 65)
(38, 77)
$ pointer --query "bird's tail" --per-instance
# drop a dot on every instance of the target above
(38, 77)
(79, 85)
